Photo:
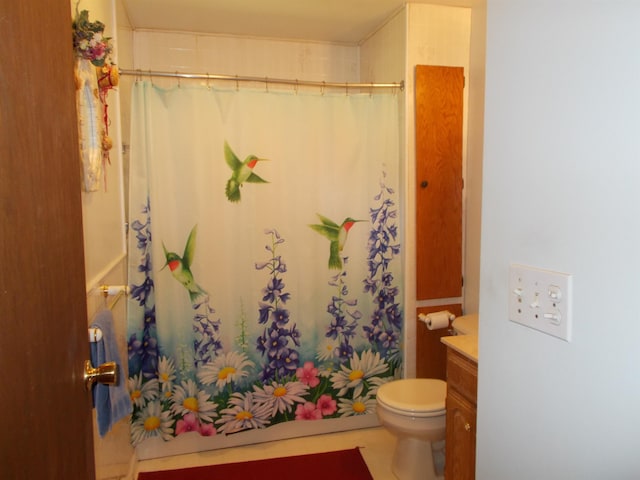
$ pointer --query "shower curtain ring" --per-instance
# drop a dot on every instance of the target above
(346, 88)
(266, 84)
(208, 84)
(178, 77)
(296, 89)
(322, 88)
(237, 83)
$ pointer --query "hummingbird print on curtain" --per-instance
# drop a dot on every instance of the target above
(206, 342)
(241, 172)
(337, 235)
(181, 266)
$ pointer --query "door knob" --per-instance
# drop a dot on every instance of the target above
(424, 184)
(106, 373)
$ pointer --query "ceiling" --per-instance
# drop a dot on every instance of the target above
(339, 21)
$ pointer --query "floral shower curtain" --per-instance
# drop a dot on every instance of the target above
(264, 263)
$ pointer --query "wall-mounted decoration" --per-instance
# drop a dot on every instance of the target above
(95, 75)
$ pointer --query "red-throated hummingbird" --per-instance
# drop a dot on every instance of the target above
(181, 267)
(337, 235)
(242, 172)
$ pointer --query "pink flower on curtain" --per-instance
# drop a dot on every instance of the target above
(308, 411)
(326, 405)
(189, 423)
(207, 430)
(308, 374)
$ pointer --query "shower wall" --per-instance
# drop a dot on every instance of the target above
(104, 242)
(418, 35)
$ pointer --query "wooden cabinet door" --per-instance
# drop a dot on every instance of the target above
(439, 107)
(460, 451)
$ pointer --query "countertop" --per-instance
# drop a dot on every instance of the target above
(466, 345)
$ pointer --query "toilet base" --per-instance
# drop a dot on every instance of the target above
(413, 460)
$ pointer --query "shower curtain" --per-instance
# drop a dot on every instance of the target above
(264, 262)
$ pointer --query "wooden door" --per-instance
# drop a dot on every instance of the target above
(439, 103)
(46, 413)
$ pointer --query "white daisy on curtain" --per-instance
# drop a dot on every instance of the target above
(225, 370)
(188, 398)
(152, 422)
(243, 414)
(360, 369)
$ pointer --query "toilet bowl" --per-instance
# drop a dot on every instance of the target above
(414, 411)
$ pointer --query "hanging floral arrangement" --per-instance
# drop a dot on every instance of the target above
(89, 41)
(95, 76)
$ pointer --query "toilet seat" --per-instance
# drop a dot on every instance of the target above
(419, 397)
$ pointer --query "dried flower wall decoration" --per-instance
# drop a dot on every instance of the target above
(89, 41)
(95, 75)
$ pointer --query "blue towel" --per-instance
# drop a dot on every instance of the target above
(112, 402)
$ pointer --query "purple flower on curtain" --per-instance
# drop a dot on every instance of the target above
(281, 360)
(143, 354)
(345, 317)
(386, 321)
(148, 418)
(207, 344)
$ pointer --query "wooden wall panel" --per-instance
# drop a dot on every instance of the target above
(431, 353)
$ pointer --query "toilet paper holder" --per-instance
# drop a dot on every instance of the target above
(437, 320)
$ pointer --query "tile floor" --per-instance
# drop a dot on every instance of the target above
(376, 446)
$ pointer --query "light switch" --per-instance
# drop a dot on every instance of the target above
(540, 299)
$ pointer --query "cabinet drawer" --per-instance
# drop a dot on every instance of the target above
(462, 375)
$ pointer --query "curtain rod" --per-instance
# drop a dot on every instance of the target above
(237, 78)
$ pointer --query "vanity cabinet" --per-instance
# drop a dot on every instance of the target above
(462, 387)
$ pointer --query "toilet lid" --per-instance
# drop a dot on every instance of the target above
(418, 395)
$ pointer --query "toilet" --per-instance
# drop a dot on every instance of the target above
(413, 410)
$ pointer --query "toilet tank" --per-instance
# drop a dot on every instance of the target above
(466, 324)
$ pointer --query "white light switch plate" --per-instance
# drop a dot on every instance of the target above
(541, 299)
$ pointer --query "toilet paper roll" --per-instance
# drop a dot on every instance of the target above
(437, 320)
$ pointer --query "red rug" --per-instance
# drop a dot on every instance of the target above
(340, 465)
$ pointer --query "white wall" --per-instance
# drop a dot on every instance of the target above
(103, 214)
(230, 55)
(436, 35)
(561, 172)
(475, 143)
(417, 35)
(105, 261)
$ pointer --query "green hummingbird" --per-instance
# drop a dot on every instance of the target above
(337, 235)
(181, 267)
(242, 172)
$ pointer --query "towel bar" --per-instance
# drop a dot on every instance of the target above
(111, 290)
(95, 335)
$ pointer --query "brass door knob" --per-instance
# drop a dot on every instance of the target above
(467, 427)
(106, 373)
